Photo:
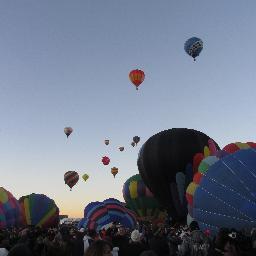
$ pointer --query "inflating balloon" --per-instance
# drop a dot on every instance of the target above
(121, 149)
(105, 160)
(68, 131)
(106, 142)
(193, 47)
(139, 199)
(71, 178)
(136, 140)
(137, 77)
(99, 214)
(10, 210)
(85, 177)
(39, 210)
(165, 163)
(225, 195)
(114, 171)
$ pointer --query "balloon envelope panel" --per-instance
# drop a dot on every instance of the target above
(226, 195)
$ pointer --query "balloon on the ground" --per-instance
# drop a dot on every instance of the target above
(68, 131)
(136, 140)
(105, 160)
(225, 196)
(39, 210)
(10, 210)
(137, 77)
(85, 177)
(166, 154)
(99, 214)
(140, 199)
(71, 178)
(193, 47)
(114, 171)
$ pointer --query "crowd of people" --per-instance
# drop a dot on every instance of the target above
(146, 240)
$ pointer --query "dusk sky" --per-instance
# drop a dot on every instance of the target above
(66, 63)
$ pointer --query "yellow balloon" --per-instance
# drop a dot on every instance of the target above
(85, 177)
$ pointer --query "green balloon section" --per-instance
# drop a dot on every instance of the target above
(140, 199)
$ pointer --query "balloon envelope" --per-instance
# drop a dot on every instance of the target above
(10, 210)
(68, 131)
(226, 194)
(71, 178)
(193, 46)
(137, 77)
(99, 214)
(39, 210)
(163, 156)
(140, 199)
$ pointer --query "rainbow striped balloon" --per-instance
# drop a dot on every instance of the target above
(140, 199)
(10, 211)
(39, 210)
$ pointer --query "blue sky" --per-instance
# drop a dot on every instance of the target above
(66, 63)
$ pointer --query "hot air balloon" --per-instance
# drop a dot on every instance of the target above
(39, 210)
(133, 144)
(114, 171)
(136, 140)
(193, 47)
(225, 194)
(121, 149)
(105, 160)
(139, 199)
(99, 214)
(165, 163)
(137, 77)
(10, 210)
(106, 142)
(85, 177)
(71, 178)
(68, 131)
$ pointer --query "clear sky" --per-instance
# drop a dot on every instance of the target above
(66, 63)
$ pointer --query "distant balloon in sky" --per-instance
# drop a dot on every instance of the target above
(133, 144)
(137, 77)
(136, 140)
(121, 149)
(68, 131)
(114, 171)
(193, 47)
(105, 160)
(106, 142)
(71, 178)
(85, 177)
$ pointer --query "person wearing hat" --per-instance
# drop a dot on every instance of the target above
(136, 247)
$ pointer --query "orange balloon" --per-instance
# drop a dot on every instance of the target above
(137, 77)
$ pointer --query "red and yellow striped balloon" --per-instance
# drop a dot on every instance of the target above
(137, 77)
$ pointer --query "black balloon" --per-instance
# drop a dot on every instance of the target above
(163, 156)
